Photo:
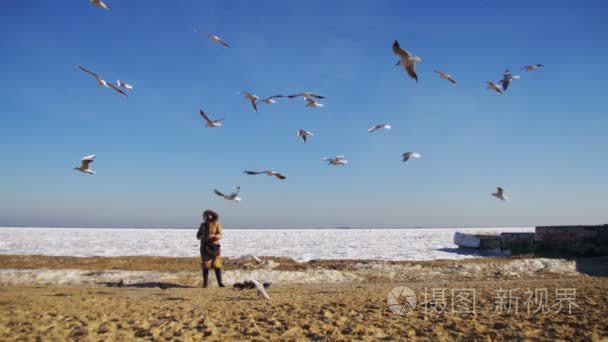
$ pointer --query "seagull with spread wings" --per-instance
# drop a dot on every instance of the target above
(210, 123)
(379, 126)
(506, 80)
(312, 103)
(336, 161)
(307, 95)
(532, 67)
(267, 173)
(124, 85)
(410, 155)
(500, 194)
(100, 4)
(270, 99)
(445, 76)
(493, 86)
(406, 60)
(101, 82)
(302, 133)
(214, 38)
(85, 165)
(253, 98)
(232, 197)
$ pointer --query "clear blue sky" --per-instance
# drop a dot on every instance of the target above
(545, 140)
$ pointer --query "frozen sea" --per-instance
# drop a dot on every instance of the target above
(299, 244)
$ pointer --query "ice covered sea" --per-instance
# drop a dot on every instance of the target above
(299, 244)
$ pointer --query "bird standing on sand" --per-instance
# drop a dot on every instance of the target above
(532, 67)
(302, 133)
(124, 85)
(313, 103)
(211, 123)
(379, 126)
(338, 160)
(85, 165)
(500, 194)
(101, 82)
(253, 98)
(493, 86)
(232, 197)
(100, 4)
(267, 173)
(406, 60)
(410, 155)
(445, 76)
(506, 79)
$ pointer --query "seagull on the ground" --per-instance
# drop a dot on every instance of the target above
(214, 38)
(253, 98)
(267, 173)
(85, 165)
(500, 194)
(232, 197)
(260, 288)
(307, 95)
(445, 76)
(313, 103)
(100, 4)
(506, 80)
(379, 126)
(101, 82)
(532, 67)
(493, 86)
(410, 155)
(406, 60)
(211, 123)
(125, 85)
(338, 160)
(270, 99)
(302, 133)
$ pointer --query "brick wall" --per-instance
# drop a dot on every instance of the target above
(572, 240)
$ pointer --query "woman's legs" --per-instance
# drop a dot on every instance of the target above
(205, 277)
(218, 275)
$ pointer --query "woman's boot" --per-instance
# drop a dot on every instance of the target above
(205, 277)
(218, 275)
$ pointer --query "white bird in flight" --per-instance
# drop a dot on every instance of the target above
(338, 160)
(500, 194)
(232, 197)
(101, 81)
(379, 126)
(313, 103)
(214, 38)
(270, 99)
(532, 67)
(211, 123)
(260, 288)
(85, 165)
(302, 133)
(493, 86)
(100, 4)
(307, 95)
(253, 98)
(267, 173)
(506, 80)
(410, 155)
(445, 76)
(406, 60)
(125, 85)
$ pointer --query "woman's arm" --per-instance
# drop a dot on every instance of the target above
(218, 233)
(200, 232)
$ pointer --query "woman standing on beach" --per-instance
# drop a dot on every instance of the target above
(210, 233)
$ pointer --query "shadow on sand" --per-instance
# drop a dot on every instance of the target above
(470, 252)
(597, 266)
(152, 284)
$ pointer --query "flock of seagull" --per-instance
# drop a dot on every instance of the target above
(406, 60)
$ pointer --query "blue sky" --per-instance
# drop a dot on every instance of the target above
(544, 140)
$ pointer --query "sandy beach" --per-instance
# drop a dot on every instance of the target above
(356, 310)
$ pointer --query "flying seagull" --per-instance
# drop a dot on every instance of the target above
(307, 95)
(313, 103)
(252, 98)
(85, 165)
(101, 81)
(445, 76)
(302, 133)
(125, 85)
(232, 197)
(100, 4)
(500, 194)
(270, 99)
(506, 80)
(260, 288)
(214, 38)
(410, 155)
(493, 86)
(211, 123)
(406, 60)
(338, 160)
(532, 67)
(379, 126)
(267, 173)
